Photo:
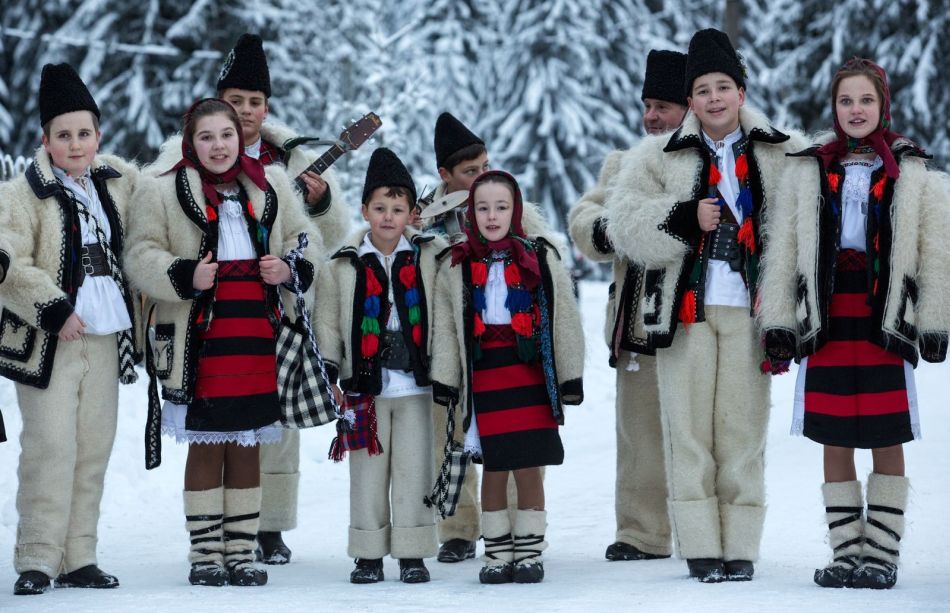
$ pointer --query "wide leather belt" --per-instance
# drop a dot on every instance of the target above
(93, 261)
(724, 245)
(394, 354)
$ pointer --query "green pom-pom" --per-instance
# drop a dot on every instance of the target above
(370, 326)
(414, 316)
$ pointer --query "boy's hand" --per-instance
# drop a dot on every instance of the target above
(274, 270)
(316, 187)
(338, 394)
(73, 328)
(205, 272)
(708, 214)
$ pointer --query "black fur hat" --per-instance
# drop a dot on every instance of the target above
(451, 135)
(246, 66)
(387, 170)
(711, 51)
(666, 71)
(62, 91)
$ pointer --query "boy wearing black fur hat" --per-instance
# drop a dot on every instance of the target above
(643, 524)
(374, 317)
(68, 334)
(245, 84)
(703, 197)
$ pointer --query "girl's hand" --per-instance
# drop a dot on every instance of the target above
(274, 270)
(73, 328)
(708, 214)
(337, 393)
(205, 272)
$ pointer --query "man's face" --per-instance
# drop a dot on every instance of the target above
(251, 107)
(660, 116)
(463, 174)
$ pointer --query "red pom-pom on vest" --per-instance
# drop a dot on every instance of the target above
(522, 324)
(746, 236)
(211, 212)
(373, 287)
(878, 189)
(688, 308)
(742, 168)
(479, 326)
(417, 335)
(370, 345)
(479, 273)
(407, 276)
(834, 181)
(714, 175)
(512, 275)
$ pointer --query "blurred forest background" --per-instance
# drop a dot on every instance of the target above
(550, 85)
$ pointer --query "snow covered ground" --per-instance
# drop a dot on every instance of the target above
(143, 541)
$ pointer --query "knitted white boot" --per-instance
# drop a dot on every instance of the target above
(499, 548)
(529, 543)
(887, 500)
(242, 511)
(204, 512)
(844, 508)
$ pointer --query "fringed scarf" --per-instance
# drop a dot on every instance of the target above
(879, 140)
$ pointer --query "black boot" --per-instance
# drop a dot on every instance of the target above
(834, 576)
(877, 575)
(367, 571)
(413, 570)
(528, 572)
(208, 573)
(246, 574)
(707, 570)
(456, 550)
(625, 551)
(88, 576)
(31, 582)
(271, 548)
(739, 570)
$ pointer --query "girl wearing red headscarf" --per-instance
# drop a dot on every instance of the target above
(205, 246)
(854, 286)
(510, 350)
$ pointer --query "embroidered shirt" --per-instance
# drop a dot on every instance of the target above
(99, 300)
(496, 293)
(234, 241)
(396, 383)
(725, 286)
(855, 192)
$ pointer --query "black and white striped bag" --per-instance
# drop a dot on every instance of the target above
(303, 386)
(448, 485)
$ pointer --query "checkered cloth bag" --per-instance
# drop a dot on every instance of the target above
(362, 433)
(303, 386)
(448, 485)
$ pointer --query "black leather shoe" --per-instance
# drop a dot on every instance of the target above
(707, 570)
(624, 551)
(496, 574)
(246, 574)
(30, 583)
(88, 576)
(875, 577)
(208, 573)
(739, 570)
(367, 571)
(834, 576)
(413, 570)
(456, 550)
(271, 548)
(528, 572)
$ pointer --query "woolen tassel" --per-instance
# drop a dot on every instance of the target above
(512, 275)
(412, 297)
(417, 334)
(337, 452)
(878, 189)
(369, 345)
(369, 325)
(479, 273)
(742, 168)
(371, 307)
(478, 299)
(522, 324)
(407, 276)
(714, 175)
(373, 287)
(834, 180)
(478, 327)
(744, 201)
(211, 213)
(747, 236)
(518, 300)
(688, 308)
(250, 209)
(414, 316)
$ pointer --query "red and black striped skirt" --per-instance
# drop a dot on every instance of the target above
(516, 427)
(236, 388)
(855, 393)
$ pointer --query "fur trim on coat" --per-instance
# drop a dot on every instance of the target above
(652, 203)
(910, 312)
(339, 308)
(452, 355)
(168, 238)
(38, 220)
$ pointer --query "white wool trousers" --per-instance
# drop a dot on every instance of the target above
(387, 512)
(68, 431)
(640, 497)
(715, 408)
(280, 478)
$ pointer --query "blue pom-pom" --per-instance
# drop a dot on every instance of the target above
(518, 301)
(412, 297)
(744, 202)
(371, 307)
(478, 299)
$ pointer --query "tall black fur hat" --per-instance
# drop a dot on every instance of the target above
(246, 66)
(62, 91)
(666, 71)
(387, 170)
(711, 51)
(451, 135)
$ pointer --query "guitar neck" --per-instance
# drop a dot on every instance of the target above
(320, 165)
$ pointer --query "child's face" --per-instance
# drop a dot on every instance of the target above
(388, 216)
(857, 106)
(494, 206)
(72, 142)
(216, 142)
(463, 174)
(251, 107)
(716, 100)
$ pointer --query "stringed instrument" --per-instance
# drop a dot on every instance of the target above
(350, 140)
